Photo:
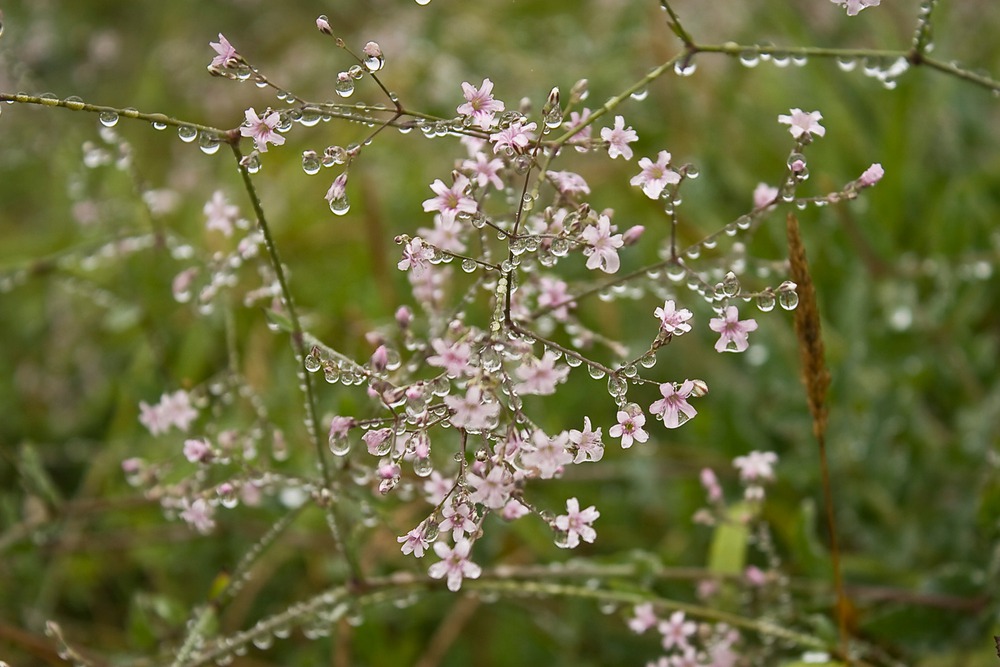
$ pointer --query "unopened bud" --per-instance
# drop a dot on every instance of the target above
(323, 25)
(632, 234)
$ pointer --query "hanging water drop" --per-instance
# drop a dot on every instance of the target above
(749, 58)
(310, 162)
(468, 265)
(765, 301)
(108, 118)
(788, 299)
(344, 85)
(208, 143)
(684, 68)
(731, 285)
(187, 133)
(340, 205)
(311, 363)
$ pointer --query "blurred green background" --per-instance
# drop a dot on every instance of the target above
(906, 276)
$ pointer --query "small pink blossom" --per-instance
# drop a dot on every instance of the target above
(756, 466)
(437, 488)
(219, 213)
(676, 631)
(569, 183)
(733, 332)
(450, 202)
(711, 485)
(414, 542)
(376, 440)
(764, 195)
(552, 292)
(619, 138)
(673, 321)
(629, 428)
(513, 139)
(454, 564)
(540, 376)
(483, 170)
(602, 246)
(197, 450)
(644, 619)
(452, 357)
(338, 189)
(655, 176)
(493, 489)
(457, 519)
(479, 103)
(582, 135)
(576, 524)
(444, 235)
(513, 510)
(262, 129)
(589, 446)
(339, 426)
(472, 411)
(547, 456)
(871, 175)
(198, 515)
(416, 258)
(673, 408)
(226, 55)
(801, 122)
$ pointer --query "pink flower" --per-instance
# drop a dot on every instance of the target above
(734, 332)
(457, 519)
(655, 176)
(338, 189)
(451, 201)
(219, 213)
(547, 456)
(452, 357)
(416, 258)
(454, 564)
(673, 408)
(644, 619)
(673, 321)
(484, 170)
(853, 6)
(414, 542)
(576, 524)
(262, 129)
(756, 466)
(197, 450)
(711, 485)
(493, 490)
(198, 515)
(588, 443)
(552, 292)
(629, 428)
(339, 426)
(540, 376)
(582, 135)
(226, 55)
(437, 488)
(445, 235)
(513, 510)
(471, 411)
(603, 246)
(376, 441)
(764, 195)
(676, 631)
(871, 176)
(480, 104)
(801, 122)
(568, 182)
(619, 138)
(513, 139)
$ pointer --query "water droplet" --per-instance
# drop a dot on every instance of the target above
(339, 445)
(252, 163)
(311, 163)
(731, 285)
(344, 85)
(765, 302)
(780, 59)
(157, 125)
(648, 360)
(749, 58)
(374, 63)
(595, 372)
(312, 363)
(423, 3)
(846, 63)
(340, 205)
(208, 143)
(187, 133)
(423, 466)
(617, 385)
(694, 252)
(108, 118)
(468, 265)
(640, 94)
(682, 68)
(331, 374)
(788, 299)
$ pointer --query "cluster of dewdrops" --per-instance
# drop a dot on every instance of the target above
(444, 380)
